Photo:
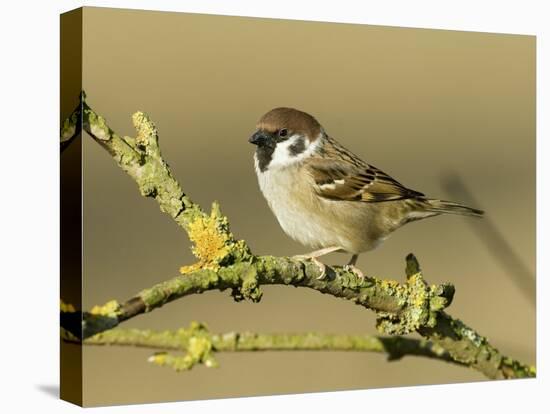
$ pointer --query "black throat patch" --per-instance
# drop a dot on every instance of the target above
(264, 154)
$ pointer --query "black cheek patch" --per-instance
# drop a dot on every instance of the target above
(264, 154)
(297, 148)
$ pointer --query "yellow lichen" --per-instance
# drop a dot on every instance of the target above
(190, 268)
(198, 347)
(144, 127)
(66, 307)
(211, 241)
(159, 358)
(393, 287)
(390, 284)
(109, 309)
(199, 350)
(419, 293)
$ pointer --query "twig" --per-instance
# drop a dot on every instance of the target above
(227, 263)
(197, 340)
(72, 126)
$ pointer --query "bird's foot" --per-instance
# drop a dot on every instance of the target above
(322, 267)
(355, 270)
(318, 253)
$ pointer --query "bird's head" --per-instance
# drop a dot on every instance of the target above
(284, 137)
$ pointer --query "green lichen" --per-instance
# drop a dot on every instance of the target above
(272, 269)
(68, 128)
(350, 280)
(441, 296)
(196, 339)
(199, 281)
(463, 331)
(240, 252)
(249, 288)
(393, 288)
(151, 179)
(514, 369)
(146, 129)
(420, 302)
(98, 126)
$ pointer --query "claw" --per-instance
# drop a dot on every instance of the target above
(356, 271)
(322, 267)
(317, 253)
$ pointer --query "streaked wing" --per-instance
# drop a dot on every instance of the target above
(353, 180)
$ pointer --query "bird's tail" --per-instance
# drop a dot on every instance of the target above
(442, 206)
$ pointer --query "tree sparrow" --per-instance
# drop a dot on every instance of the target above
(326, 197)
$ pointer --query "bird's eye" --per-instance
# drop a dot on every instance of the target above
(283, 132)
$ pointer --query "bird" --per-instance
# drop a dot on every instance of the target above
(327, 198)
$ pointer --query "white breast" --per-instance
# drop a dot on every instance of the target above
(303, 215)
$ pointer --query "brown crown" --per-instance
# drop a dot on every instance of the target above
(291, 119)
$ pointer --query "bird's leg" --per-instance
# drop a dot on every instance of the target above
(350, 267)
(318, 253)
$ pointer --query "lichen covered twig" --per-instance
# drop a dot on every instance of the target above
(227, 263)
(141, 159)
(199, 345)
(402, 308)
(72, 126)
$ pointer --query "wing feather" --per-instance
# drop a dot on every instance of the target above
(349, 178)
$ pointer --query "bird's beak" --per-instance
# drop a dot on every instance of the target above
(259, 138)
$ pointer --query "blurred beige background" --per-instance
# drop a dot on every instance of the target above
(419, 104)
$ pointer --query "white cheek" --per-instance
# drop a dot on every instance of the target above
(282, 156)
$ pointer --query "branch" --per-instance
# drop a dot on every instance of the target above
(141, 159)
(199, 344)
(227, 263)
(71, 127)
(402, 308)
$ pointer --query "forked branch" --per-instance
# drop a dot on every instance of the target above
(227, 263)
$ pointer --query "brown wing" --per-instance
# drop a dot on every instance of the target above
(343, 180)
